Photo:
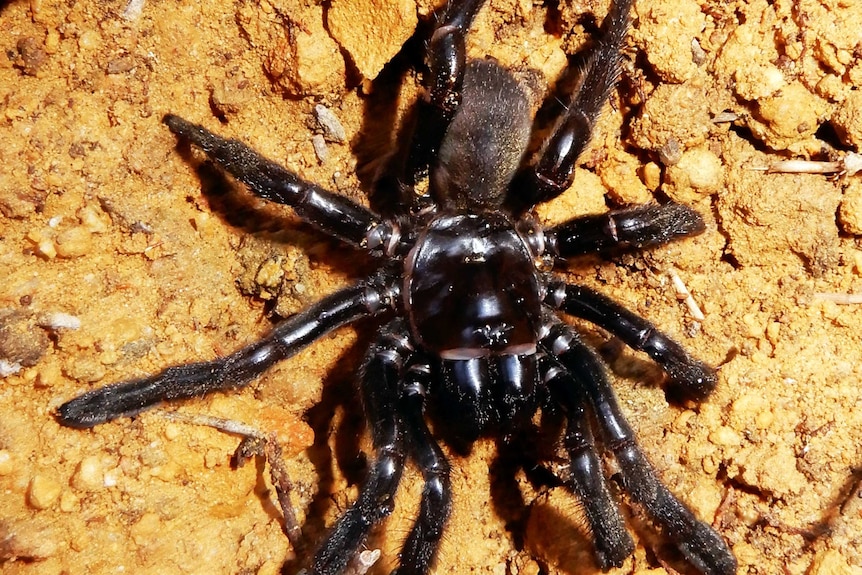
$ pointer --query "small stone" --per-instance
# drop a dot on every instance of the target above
(172, 432)
(31, 55)
(59, 320)
(320, 149)
(333, 131)
(703, 169)
(22, 343)
(43, 491)
(89, 40)
(230, 95)
(670, 153)
(46, 248)
(90, 475)
(94, 219)
(651, 176)
(725, 436)
(120, 65)
(74, 242)
(697, 173)
(68, 501)
(133, 10)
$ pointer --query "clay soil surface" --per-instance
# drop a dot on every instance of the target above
(122, 253)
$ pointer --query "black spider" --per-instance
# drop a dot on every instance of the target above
(471, 326)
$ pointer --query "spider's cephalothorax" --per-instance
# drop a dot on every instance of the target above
(468, 319)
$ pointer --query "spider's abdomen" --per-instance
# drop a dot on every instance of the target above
(472, 289)
(485, 142)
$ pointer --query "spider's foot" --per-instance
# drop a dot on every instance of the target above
(708, 552)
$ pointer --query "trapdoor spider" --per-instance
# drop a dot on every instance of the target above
(468, 316)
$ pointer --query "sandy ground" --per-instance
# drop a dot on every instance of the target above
(118, 258)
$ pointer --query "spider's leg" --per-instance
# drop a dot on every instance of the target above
(637, 227)
(235, 370)
(552, 172)
(701, 545)
(612, 542)
(331, 213)
(379, 383)
(420, 547)
(446, 56)
(687, 375)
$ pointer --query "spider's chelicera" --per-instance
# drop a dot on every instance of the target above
(469, 317)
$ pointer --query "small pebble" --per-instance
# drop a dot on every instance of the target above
(68, 501)
(46, 249)
(89, 476)
(725, 436)
(43, 491)
(8, 368)
(651, 175)
(333, 131)
(133, 10)
(59, 320)
(94, 219)
(89, 40)
(74, 242)
(703, 168)
(320, 149)
(31, 55)
(172, 431)
(670, 153)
